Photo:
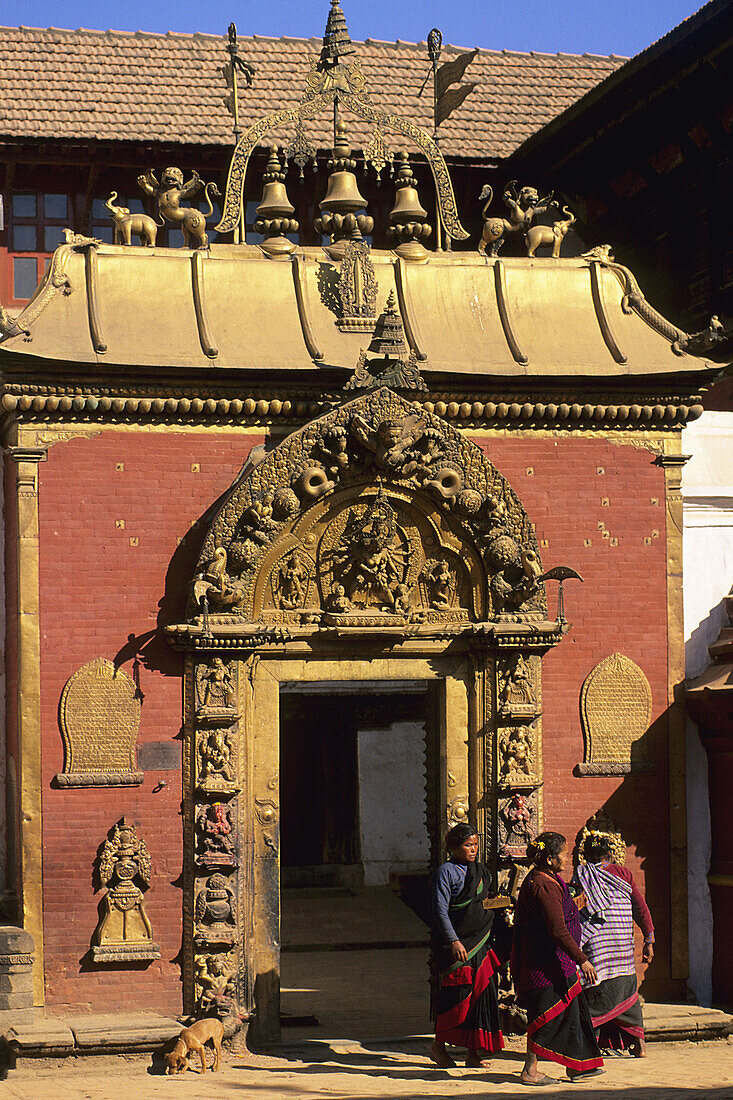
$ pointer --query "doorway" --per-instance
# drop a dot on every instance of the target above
(358, 820)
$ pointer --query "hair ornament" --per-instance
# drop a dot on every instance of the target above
(540, 844)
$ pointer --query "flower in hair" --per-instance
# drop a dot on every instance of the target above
(540, 844)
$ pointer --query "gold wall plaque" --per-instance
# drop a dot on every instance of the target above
(615, 709)
(99, 717)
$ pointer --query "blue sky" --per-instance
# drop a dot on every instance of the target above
(573, 26)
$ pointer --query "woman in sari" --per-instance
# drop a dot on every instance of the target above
(466, 1004)
(546, 957)
(612, 904)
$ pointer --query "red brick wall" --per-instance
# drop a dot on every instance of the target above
(101, 582)
(600, 508)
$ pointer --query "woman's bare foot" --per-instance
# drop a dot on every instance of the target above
(478, 1059)
(536, 1078)
(638, 1049)
(440, 1055)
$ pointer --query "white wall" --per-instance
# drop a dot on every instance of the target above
(707, 487)
(394, 835)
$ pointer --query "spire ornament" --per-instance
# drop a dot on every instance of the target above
(390, 365)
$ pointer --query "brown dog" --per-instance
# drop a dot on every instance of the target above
(192, 1040)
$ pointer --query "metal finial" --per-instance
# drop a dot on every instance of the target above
(435, 44)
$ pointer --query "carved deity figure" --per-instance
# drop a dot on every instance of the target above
(373, 561)
(124, 931)
(170, 192)
(215, 688)
(216, 832)
(214, 979)
(440, 584)
(516, 754)
(215, 911)
(515, 828)
(291, 584)
(516, 684)
(216, 761)
(391, 442)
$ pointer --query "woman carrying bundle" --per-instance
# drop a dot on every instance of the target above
(612, 904)
(466, 1000)
(545, 959)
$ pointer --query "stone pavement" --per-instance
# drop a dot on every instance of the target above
(350, 1071)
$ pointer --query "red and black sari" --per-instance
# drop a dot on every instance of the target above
(466, 1002)
(545, 958)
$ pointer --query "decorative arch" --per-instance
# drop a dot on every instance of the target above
(379, 489)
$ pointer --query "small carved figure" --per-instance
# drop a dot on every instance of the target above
(440, 584)
(78, 240)
(515, 573)
(216, 831)
(524, 206)
(332, 449)
(291, 585)
(540, 235)
(170, 192)
(257, 522)
(403, 598)
(128, 225)
(216, 764)
(215, 911)
(338, 602)
(214, 979)
(214, 588)
(516, 754)
(215, 685)
(391, 442)
(516, 684)
(601, 252)
(124, 932)
(515, 831)
(192, 1040)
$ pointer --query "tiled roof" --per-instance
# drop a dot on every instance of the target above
(116, 86)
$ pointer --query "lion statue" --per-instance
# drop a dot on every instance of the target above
(524, 206)
(170, 191)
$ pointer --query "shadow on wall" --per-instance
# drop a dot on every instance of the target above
(151, 648)
(705, 633)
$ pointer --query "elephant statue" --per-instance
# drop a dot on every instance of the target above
(127, 224)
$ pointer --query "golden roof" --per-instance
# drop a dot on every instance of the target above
(232, 308)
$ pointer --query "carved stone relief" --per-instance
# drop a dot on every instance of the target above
(100, 718)
(615, 711)
(411, 456)
(216, 911)
(517, 825)
(124, 932)
(517, 766)
(517, 695)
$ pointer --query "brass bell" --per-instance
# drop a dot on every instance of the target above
(275, 202)
(342, 195)
(407, 206)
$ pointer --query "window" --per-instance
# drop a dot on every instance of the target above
(36, 221)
